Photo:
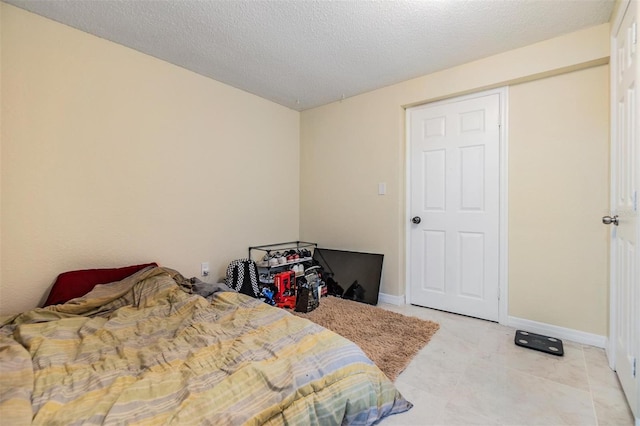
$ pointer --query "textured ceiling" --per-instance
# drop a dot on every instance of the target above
(306, 53)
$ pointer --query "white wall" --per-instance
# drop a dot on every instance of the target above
(111, 158)
(348, 147)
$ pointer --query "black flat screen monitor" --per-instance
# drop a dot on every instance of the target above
(350, 266)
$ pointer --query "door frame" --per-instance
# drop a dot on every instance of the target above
(503, 288)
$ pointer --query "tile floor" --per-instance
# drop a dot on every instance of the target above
(471, 373)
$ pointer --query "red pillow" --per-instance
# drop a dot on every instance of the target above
(70, 285)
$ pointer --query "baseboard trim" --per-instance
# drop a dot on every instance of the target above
(556, 331)
(390, 299)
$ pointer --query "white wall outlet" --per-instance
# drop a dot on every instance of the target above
(382, 188)
(204, 269)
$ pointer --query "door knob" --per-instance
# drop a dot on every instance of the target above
(608, 220)
(416, 220)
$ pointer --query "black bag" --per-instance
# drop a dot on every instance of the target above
(333, 288)
(242, 276)
(354, 292)
(308, 297)
(306, 300)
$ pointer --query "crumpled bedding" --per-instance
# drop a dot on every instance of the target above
(144, 351)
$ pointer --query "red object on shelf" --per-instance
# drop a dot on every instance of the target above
(285, 283)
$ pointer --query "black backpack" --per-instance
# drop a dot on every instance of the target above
(308, 297)
(242, 276)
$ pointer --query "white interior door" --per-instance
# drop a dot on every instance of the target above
(625, 182)
(455, 195)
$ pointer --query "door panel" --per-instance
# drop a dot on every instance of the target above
(433, 278)
(472, 164)
(434, 188)
(471, 264)
(454, 161)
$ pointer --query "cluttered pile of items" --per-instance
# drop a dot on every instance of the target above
(296, 274)
(289, 279)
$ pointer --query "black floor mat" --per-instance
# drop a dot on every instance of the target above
(539, 342)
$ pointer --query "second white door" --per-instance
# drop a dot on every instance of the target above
(625, 231)
(455, 205)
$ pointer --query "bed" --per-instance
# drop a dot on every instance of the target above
(145, 350)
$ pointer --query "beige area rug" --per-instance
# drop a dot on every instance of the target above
(389, 339)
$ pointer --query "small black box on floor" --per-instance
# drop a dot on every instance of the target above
(539, 342)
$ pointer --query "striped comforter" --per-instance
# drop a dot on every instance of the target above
(144, 351)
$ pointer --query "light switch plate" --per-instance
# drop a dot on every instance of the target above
(204, 269)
